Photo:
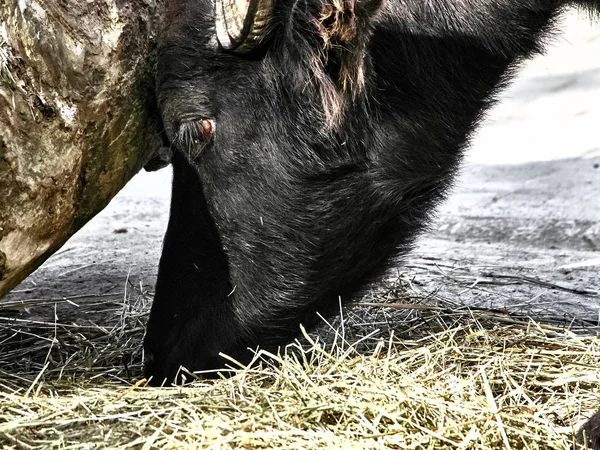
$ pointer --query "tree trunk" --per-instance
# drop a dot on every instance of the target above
(77, 118)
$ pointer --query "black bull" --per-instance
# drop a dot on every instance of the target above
(306, 162)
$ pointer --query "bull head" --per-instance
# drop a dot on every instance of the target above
(246, 89)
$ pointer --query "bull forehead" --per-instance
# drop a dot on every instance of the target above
(316, 58)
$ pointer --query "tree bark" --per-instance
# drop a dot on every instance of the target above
(77, 118)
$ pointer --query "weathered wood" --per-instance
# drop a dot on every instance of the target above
(77, 118)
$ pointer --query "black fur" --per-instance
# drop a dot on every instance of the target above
(317, 175)
(588, 437)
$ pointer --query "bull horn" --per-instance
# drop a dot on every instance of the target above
(241, 24)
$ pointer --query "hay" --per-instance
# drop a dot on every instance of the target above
(462, 381)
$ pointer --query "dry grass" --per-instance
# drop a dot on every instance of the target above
(459, 381)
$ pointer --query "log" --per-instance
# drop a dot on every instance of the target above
(77, 118)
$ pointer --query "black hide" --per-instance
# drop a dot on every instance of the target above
(321, 161)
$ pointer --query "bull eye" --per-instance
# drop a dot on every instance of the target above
(192, 136)
(207, 129)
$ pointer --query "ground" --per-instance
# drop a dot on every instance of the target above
(519, 234)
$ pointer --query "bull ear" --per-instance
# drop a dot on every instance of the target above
(241, 24)
(345, 28)
(346, 21)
